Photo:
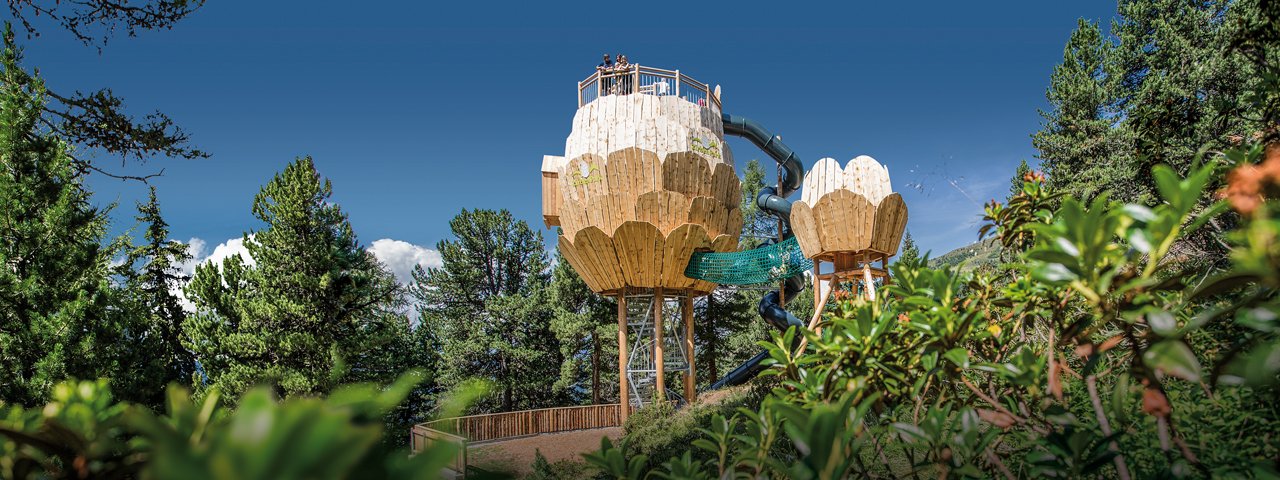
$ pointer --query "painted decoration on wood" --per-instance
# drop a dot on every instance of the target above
(645, 182)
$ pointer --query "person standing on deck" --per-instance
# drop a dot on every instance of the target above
(623, 68)
(605, 69)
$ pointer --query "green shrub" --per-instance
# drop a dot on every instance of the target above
(1096, 352)
(660, 431)
(84, 433)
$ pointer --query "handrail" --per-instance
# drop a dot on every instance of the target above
(642, 79)
(494, 426)
(421, 437)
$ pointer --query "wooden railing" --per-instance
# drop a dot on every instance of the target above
(494, 426)
(421, 437)
(647, 81)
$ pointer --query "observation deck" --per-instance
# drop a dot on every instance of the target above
(639, 79)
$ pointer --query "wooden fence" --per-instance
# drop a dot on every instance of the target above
(495, 426)
(422, 437)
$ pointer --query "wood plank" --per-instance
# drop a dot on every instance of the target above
(624, 395)
(584, 269)
(890, 222)
(596, 249)
(806, 229)
(733, 222)
(825, 177)
(676, 212)
(659, 361)
(687, 173)
(638, 246)
(678, 248)
(690, 377)
(709, 213)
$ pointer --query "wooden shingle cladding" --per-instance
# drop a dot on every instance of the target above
(646, 181)
(849, 215)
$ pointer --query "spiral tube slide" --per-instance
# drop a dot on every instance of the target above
(776, 204)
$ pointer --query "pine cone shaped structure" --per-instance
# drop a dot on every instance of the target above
(646, 181)
(850, 209)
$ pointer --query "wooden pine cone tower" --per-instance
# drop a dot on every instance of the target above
(851, 218)
(646, 180)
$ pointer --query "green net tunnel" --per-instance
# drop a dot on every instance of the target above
(767, 264)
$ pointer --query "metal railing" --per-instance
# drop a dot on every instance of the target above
(646, 81)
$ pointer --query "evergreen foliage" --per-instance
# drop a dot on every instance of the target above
(1171, 79)
(54, 288)
(910, 253)
(586, 328)
(152, 278)
(489, 307)
(727, 329)
(307, 304)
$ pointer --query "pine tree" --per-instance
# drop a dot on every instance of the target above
(584, 324)
(726, 332)
(55, 320)
(757, 226)
(1167, 83)
(309, 304)
(489, 307)
(909, 251)
(1178, 76)
(156, 348)
(1019, 178)
(1084, 147)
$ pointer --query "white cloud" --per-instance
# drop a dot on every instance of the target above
(198, 248)
(228, 249)
(400, 257)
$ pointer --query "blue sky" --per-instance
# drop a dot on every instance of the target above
(416, 110)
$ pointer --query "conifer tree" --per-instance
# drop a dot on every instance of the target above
(586, 326)
(307, 306)
(727, 329)
(1019, 177)
(1084, 147)
(489, 307)
(757, 225)
(54, 288)
(152, 276)
(909, 251)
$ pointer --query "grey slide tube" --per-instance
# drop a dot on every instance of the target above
(775, 203)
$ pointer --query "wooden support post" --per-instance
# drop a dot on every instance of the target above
(817, 282)
(690, 379)
(624, 395)
(866, 278)
(782, 287)
(661, 383)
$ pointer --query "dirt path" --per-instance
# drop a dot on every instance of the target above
(516, 455)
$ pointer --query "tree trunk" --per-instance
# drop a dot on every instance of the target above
(711, 365)
(595, 369)
(506, 385)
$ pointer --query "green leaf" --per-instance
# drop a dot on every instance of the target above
(1053, 273)
(1173, 357)
(1163, 323)
(1139, 212)
(958, 356)
(1258, 367)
